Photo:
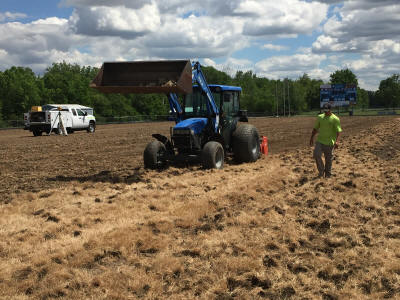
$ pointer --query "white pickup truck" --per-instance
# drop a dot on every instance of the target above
(46, 118)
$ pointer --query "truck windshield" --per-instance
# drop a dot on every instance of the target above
(88, 111)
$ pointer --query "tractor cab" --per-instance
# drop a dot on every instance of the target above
(197, 117)
(226, 98)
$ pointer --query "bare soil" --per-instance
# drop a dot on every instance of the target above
(82, 218)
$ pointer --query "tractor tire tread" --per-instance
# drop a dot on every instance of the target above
(150, 155)
(244, 138)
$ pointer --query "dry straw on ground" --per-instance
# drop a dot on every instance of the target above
(264, 230)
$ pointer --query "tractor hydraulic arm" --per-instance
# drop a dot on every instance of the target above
(212, 108)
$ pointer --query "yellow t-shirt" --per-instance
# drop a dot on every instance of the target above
(328, 127)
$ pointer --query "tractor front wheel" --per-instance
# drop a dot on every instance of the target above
(212, 155)
(154, 155)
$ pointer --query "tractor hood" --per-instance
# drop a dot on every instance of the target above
(195, 124)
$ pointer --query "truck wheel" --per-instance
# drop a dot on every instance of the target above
(212, 155)
(91, 127)
(37, 132)
(154, 155)
(246, 144)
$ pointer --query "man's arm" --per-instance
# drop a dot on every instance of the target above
(337, 139)
(313, 133)
(338, 132)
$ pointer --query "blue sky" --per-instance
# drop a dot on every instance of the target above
(275, 39)
(36, 9)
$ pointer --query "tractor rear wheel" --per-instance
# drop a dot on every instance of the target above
(212, 155)
(246, 144)
(154, 154)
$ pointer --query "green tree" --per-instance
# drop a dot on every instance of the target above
(264, 95)
(362, 98)
(249, 89)
(307, 91)
(120, 106)
(151, 104)
(102, 105)
(345, 76)
(389, 91)
(67, 83)
(299, 93)
(1, 95)
(19, 91)
(213, 76)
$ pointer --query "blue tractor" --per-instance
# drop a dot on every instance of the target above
(206, 116)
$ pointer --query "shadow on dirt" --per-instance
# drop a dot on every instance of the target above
(104, 176)
(195, 164)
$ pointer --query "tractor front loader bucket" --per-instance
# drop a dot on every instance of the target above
(145, 77)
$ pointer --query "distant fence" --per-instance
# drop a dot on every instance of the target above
(133, 119)
(359, 112)
(9, 124)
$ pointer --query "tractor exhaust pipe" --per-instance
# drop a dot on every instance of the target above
(145, 77)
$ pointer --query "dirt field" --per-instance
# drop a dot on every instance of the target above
(81, 218)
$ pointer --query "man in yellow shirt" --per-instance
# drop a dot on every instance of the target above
(328, 128)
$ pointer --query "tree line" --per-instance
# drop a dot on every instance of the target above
(21, 88)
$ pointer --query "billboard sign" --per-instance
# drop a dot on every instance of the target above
(338, 94)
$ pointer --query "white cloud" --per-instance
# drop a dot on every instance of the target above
(184, 28)
(357, 27)
(115, 21)
(368, 4)
(290, 66)
(279, 18)
(256, 18)
(3, 54)
(101, 30)
(231, 65)
(8, 16)
(369, 29)
(194, 37)
(32, 44)
(274, 47)
(135, 4)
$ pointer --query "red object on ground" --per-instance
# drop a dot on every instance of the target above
(264, 145)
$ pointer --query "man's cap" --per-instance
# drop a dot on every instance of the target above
(327, 106)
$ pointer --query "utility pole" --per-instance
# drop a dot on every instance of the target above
(276, 97)
(283, 95)
(288, 97)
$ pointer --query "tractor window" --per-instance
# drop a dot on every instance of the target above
(236, 105)
(217, 99)
(196, 104)
(227, 106)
